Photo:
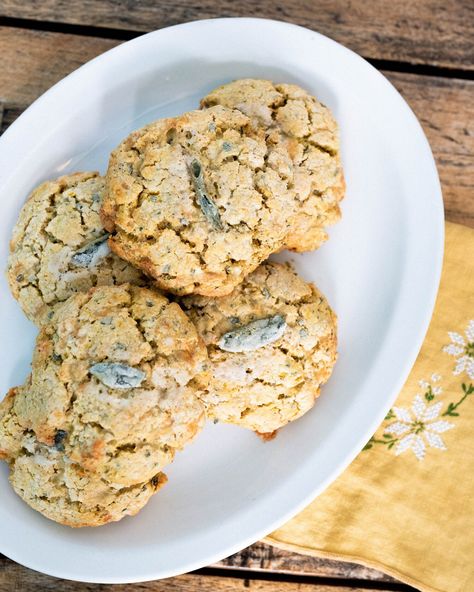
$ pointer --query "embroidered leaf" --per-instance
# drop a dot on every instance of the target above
(450, 410)
(429, 396)
(468, 390)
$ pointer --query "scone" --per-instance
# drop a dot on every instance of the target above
(111, 398)
(299, 124)
(198, 201)
(59, 246)
(60, 489)
(271, 344)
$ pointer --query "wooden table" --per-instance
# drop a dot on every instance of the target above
(426, 48)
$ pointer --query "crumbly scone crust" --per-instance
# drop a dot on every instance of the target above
(151, 201)
(84, 453)
(308, 132)
(58, 219)
(66, 492)
(266, 388)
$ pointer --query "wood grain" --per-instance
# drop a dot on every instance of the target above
(445, 108)
(266, 558)
(435, 32)
(14, 577)
(32, 61)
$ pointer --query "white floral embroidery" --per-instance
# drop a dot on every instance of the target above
(426, 386)
(419, 427)
(462, 348)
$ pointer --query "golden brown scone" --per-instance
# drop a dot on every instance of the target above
(59, 246)
(271, 344)
(300, 125)
(198, 201)
(11, 431)
(64, 491)
(111, 398)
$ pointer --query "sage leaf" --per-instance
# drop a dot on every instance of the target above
(92, 253)
(208, 207)
(117, 375)
(254, 335)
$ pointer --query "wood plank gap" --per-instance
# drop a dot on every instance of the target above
(421, 69)
(263, 558)
(84, 30)
(126, 35)
(299, 578)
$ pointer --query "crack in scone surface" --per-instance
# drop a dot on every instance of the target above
(277, 383)
(152, 207)
(303, 128)
(59, 218)
(113, 441)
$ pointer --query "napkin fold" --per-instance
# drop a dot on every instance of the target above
(406, 504)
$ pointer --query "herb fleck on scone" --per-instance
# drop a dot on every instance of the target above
(111, 398)
(299, 125)
(59, 246)
(198, 201)
(271, 343)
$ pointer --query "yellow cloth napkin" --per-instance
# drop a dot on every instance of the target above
(406, 504)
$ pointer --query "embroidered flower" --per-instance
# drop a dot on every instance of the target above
(462, 348)
(417, 427)
(420, 426)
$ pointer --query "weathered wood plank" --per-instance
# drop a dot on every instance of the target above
(264, 558)
(445, 108)
(435, 32)
(32, 61)
(16, 577)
